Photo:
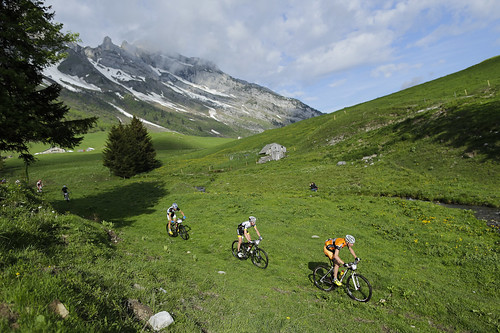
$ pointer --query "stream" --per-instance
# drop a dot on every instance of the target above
(489, 214)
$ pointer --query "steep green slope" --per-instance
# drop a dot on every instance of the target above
(433, 268)
(450, 144)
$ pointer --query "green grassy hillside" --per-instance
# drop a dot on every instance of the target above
(433, 268)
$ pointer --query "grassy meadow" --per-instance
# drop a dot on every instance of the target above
(432, 268)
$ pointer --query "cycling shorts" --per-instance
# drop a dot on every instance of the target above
(330, 253)
(240, 231)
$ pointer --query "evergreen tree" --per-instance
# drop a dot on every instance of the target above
(129, 150)
(116, 153)
(29, 111)
(144, 152)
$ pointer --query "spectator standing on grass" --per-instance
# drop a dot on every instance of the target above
(39, 185)
(65, 192)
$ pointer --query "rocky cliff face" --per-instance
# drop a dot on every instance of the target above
(173, 87)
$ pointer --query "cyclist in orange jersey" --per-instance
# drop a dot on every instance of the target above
(332, 248)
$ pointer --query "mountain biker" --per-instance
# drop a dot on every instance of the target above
(313, 187)
(171, 216)
(332, 248)
(242, 231)
(65, 191)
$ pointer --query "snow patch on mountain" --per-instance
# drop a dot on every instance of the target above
(68, 81)
(115, 75)
(142, 120)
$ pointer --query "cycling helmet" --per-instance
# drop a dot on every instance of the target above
(350, 239)
(252, 219)
(174, 205)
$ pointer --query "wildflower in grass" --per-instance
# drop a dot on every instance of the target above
(288, 318)
(18, 274)
(416, 240)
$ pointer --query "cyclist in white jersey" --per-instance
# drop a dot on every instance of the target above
(171, 215)
(243, 231)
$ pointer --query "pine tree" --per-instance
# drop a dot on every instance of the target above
(29, 111)
(129, 150)
(145, 154)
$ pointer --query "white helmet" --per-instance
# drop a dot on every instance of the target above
(174, 205)
(349, 239)
(252, 219)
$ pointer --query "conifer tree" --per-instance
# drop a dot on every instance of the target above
(29, 111)
(129, 150)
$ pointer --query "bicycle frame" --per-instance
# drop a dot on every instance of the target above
(356, 285)
(174, 224)
(350, 271)
(249, 246)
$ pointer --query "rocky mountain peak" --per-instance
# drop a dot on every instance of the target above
(175, 87)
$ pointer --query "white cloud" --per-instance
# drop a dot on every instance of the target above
(291, 44)
(337, 83)
(389, 69)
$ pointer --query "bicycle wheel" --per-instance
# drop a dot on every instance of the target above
(358, 288)
(323, 278)
(259, 258)
(183, 232)
(234, 249)
(173, 229)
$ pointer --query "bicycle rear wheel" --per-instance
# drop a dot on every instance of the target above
(358, 288)
(322, 277)
(173, 229)
(234, 250)
(183, 232)
(259, 258)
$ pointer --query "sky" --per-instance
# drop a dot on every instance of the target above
(330, 54)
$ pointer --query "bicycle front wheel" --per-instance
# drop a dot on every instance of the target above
(358, 288)
(183, 232)
(323, 278)
(259, 258)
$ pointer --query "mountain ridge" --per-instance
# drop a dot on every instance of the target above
(188, 95)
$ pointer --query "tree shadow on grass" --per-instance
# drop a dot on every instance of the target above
(116, 205)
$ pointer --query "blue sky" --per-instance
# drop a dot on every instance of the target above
(330, 54)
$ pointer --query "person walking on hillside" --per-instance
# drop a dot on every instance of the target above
(243, 231)
(39, 186)
(171, 216)
(65, 192)
(332, 248)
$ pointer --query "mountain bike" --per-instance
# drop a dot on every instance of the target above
(357, 286)
(253, 251)
(66, 196)
(178, 229)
